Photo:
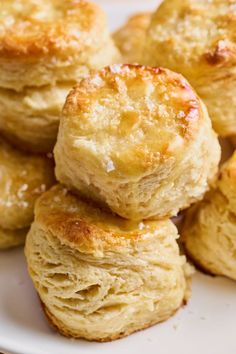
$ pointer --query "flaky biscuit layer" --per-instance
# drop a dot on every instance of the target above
(101, 277)
(209, 230)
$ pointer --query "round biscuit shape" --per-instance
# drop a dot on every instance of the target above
(101, 277)
(137, 139)
(198, 39)
(44, 42)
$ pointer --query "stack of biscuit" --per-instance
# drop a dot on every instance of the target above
(135, 146)
(195, 38)
(198, 39)
(45, 47)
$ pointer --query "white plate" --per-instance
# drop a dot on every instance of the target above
(206, 325)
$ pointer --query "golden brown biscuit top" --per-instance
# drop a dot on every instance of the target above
(31, 28)
(23, 177)
(84, 226)
(132, 115)
(189, 33)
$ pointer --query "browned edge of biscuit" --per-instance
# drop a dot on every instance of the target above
(53, 323)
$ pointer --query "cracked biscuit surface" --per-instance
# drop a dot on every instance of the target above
(137, 139)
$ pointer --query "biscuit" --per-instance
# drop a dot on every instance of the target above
(99, 276)
(30, 118)
(137, 139)
(197, 39)
(23, 179)
(44, 42)
(209, 230)
(45, 48)
(129, 39)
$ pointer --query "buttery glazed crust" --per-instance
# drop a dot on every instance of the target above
(137, 139)
(86, 228)
(129, 39)
(90, 267)
(24, 178)
(45, 48)
(51, 41)
(198, 39)
(209, 229)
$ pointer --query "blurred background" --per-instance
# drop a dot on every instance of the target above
(123, 8)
